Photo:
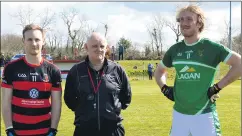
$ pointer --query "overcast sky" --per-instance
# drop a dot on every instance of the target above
(128, 19)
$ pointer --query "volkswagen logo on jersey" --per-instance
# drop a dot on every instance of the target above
(33, 93)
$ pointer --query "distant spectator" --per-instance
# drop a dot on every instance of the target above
(2, 60)
(121, 52)
(156, 64)
(150, 68)
(65, 58)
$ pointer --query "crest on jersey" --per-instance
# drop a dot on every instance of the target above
(33, 93)
(200, 53)
(179, 54)
(46, 78)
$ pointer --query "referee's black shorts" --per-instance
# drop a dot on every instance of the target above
(106, 129)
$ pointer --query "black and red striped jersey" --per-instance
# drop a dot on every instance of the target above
(32, 86)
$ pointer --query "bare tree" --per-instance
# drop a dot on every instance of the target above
(237, 44)
(12, 44)
(106, 29)
(54, 41)
(152, 40)
(155, 31)
(27, 15)
(225, 38)
(77, 35)
(175, 27)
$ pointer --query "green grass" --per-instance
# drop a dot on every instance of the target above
(150, 112)
(143, 64)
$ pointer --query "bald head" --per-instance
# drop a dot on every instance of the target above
(96, 38)
(96, 47)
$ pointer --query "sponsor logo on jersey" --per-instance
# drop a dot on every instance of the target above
(188, 54)
(179, 54)
(34, 74)
(188, 73)
(33, 93)
(21, 75)
(46, 78)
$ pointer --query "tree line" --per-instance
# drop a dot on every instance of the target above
(71, 45)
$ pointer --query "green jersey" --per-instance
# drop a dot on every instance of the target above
(195, 67)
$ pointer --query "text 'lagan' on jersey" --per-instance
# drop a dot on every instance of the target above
(195, 67)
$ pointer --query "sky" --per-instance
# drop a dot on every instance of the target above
(125, 19)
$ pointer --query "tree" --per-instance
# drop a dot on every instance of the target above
(125, 43)
(156, 33)
(27, 15)
(175, 27)
(106, 29)
(237, 43)
(79, 35)
(54, 42)
(11, 44)
(147, 49)
(225, 38)
(133, 53)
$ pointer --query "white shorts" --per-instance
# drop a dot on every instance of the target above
(195, 125)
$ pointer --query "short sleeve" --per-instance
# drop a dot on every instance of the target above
(167, 59)
(56, 80)
(224, 53)
(7, 78)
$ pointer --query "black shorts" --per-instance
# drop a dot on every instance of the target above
(106, 129)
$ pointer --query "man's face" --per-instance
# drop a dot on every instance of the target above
(96, 48)
(188, 24)
(33, 42)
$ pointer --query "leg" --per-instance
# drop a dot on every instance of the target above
(112, 129)
(79, 131)
(151, 75)
(209, 123)
(119, 131)
(180, 124)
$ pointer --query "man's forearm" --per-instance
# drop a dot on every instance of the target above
(55, 113)
(160, 79)
(233, 74)
(7, 115)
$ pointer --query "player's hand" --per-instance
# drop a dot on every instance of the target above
(214, 97)
(52, 132)
(168, 92)
(10, 132)
(213, 92)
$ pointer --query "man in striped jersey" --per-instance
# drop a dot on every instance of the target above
(195, 60)
(27, 86)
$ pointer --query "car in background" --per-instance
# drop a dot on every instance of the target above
(46, 56)
(17, 56)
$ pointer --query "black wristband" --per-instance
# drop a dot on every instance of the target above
(164, 87)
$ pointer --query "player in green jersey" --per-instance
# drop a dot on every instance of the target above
(195, 60)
